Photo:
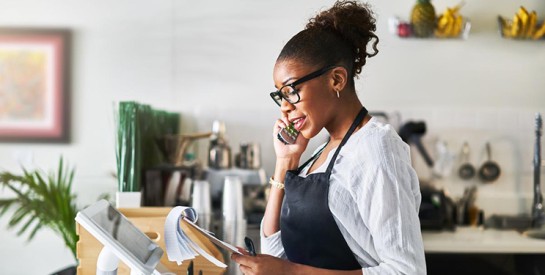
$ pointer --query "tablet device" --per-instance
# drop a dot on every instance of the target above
(127, 242)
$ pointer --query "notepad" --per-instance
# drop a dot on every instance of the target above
(180, 247)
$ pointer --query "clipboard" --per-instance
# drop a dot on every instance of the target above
(212, 238)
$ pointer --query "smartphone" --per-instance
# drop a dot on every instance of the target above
(288, 135)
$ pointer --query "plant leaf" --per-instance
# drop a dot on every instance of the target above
(24, 228)
(34, 231)
(42, 200)
(17, 217)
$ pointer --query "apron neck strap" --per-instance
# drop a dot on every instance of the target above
(359, 118)
(315, 156)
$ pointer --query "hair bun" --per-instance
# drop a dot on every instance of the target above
(354, 22)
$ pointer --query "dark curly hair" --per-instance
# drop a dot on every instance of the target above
(337, 36)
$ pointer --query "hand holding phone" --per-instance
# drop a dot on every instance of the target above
(288, 135)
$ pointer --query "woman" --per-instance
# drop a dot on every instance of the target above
(353, 207)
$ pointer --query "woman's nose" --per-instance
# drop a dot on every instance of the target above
(285, 106)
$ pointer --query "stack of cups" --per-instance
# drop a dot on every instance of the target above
(234, 224)
(201, 202)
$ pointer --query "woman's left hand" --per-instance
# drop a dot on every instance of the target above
(262, 264)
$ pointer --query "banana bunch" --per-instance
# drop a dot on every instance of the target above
(450, 23)
(523, 26)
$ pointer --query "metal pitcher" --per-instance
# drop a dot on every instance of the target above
(250, 156)
(219, 156)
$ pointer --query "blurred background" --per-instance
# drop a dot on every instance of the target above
(213, 61)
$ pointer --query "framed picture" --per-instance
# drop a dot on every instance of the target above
(34, 85)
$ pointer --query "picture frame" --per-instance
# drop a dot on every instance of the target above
(34, 85)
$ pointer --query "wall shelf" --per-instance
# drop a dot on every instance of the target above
(403, 29)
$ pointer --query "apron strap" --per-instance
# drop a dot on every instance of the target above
(359, 118)
(312, 158)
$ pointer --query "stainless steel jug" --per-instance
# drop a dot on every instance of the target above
(219, 155)
(250, 156)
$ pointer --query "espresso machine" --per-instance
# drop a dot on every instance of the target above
(247, 167)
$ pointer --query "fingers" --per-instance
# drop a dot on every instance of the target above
(248, 261)
(282, 122)
(285, 120)
(246, 270)
(243, 251)
(279, 124)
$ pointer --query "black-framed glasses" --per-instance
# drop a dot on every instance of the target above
(290, 93)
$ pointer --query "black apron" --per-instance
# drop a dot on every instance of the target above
(310, 234)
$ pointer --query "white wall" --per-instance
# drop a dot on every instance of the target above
(214, 61)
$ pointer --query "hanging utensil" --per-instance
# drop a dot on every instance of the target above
(412, 132)
(490, 170)
(445, 160)
(466, 170)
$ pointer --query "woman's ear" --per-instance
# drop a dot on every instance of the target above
(339, 78)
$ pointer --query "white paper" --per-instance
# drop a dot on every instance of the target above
(179, 246)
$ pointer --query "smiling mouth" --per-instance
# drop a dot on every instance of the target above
(298, 123)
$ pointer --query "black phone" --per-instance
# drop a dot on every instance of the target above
(288, 135)
(250, 246)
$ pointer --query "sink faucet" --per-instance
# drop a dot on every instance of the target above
(538, 213)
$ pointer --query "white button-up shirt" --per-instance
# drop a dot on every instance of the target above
(374, 196)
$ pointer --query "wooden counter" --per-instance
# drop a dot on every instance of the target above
(151, 221)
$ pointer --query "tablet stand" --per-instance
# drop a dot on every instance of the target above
(108, 262)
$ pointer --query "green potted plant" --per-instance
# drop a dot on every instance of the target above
(42, 200)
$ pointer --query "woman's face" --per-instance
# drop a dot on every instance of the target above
(313, 111)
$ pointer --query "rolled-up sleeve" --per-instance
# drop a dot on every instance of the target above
(389, 206)
(272, 245)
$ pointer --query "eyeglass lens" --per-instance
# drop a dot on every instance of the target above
(290, 94)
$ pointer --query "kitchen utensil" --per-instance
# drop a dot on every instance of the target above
(250, 156)
(466, 170)
(442, 167)
(201, 202)
(538, 213)
(471, 211)
(490, 170)
(466, 201)
(219, 155)
(232, 200)
(412, 132)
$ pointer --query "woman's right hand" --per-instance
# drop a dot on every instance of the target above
(288, 151)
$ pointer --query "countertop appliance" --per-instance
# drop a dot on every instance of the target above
(437, 210)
